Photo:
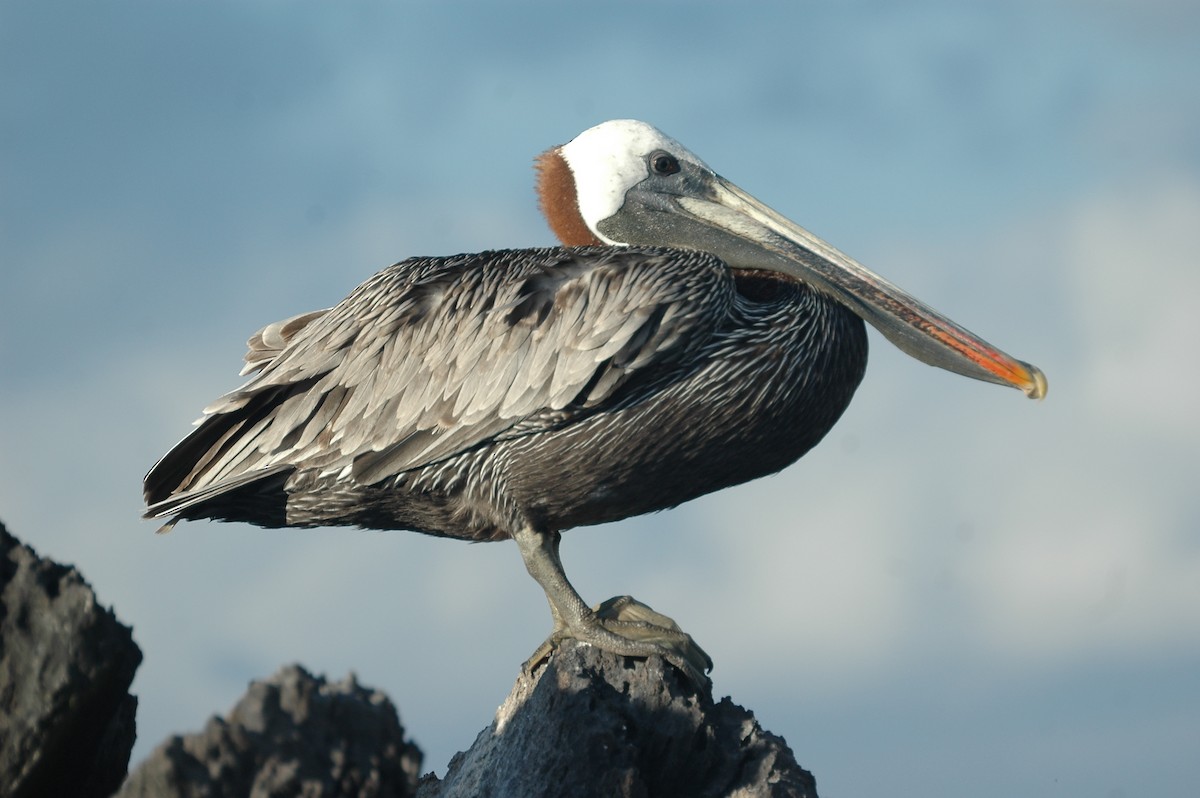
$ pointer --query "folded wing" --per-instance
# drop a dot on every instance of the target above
(434, 356)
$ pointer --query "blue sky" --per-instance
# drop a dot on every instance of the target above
(959, 589)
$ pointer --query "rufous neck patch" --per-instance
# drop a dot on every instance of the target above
(559, 202)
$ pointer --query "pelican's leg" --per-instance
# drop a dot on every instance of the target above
(620, 625)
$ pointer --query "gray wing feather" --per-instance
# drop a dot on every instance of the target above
(432, 357)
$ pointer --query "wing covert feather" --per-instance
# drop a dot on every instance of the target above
(266, 344)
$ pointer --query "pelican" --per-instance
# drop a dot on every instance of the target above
(684, 338)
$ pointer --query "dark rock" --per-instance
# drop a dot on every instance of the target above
(293, 734)
(587, 723)
(590, 723)
(66, 663)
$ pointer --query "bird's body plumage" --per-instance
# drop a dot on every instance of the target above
(687, 338)
(556, 387)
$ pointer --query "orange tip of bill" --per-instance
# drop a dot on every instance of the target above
(1033, 382)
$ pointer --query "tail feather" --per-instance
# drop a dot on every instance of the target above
(257, 497)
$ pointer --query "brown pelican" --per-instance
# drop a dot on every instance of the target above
(685, 338)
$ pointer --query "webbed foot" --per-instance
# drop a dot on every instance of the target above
(623, 625)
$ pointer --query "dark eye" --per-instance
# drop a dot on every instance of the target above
(663, 163)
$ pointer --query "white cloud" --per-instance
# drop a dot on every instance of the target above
(1101, 557)
(1132, 260)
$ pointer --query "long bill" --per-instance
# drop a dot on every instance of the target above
(779, 244)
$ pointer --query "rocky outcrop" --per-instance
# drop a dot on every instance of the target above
(590, 723)
(66, 663)
(293, 734)
(586, 723)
